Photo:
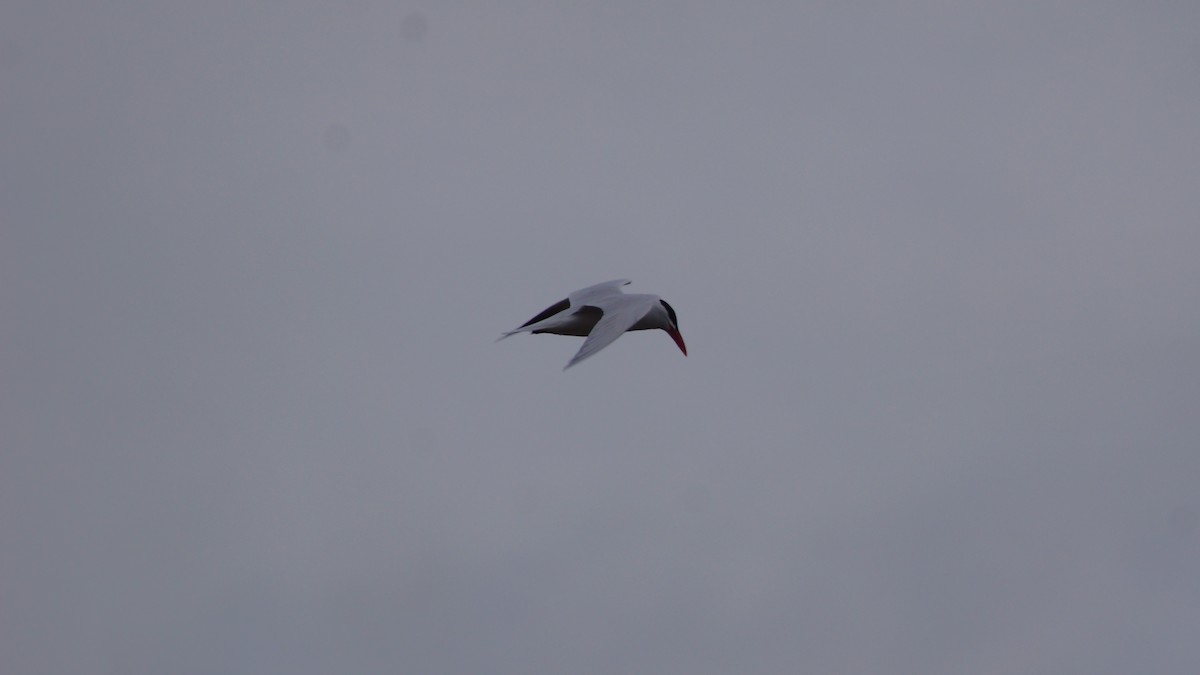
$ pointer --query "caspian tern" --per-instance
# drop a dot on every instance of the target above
(602, 313)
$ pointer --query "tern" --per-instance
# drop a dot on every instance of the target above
(603, 313)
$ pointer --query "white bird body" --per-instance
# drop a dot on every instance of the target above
(603, 313)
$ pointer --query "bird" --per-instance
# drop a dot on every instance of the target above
(603, 313)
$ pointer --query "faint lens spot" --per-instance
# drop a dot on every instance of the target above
(336, 138)
(413, 27)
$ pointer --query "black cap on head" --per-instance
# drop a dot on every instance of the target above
(670, 313)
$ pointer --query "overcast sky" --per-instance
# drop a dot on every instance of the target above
(936, 264)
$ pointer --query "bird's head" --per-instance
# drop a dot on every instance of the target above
(672, 327)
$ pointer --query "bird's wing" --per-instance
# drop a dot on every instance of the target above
(594, 294)
(620, 313)
(551, 312)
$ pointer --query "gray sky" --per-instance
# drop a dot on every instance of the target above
(935, 264)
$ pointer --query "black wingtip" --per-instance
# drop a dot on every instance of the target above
(550, 311)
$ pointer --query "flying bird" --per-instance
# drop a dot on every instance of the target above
(602, 313)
